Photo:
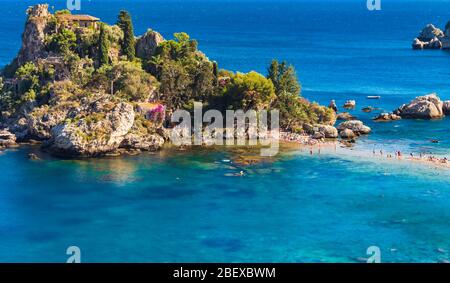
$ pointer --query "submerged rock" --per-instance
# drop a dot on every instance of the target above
(384, 117)
(422, 107)
(33, 156)
(345, 116)
(367, 109)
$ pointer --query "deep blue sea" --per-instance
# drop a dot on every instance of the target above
(181, 206)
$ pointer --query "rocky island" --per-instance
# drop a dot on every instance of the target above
(84, 88)
(432, 37)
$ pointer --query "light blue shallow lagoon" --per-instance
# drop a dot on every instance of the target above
(182, 207)
(175, 206)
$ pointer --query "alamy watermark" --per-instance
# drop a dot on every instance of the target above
(374, 254)
(374, 5)
(239, 128)
(74, 253)
(73, 5)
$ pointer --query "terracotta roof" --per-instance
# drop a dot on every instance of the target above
(78, 18)
(148, 105)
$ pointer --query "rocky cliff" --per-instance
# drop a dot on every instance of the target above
(57, 98)
(33, 37)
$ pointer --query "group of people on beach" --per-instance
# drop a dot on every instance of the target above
(430, 158)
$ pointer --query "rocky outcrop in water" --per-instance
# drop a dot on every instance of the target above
(384, 117)
(422, 107)
(7, 139)
(345, 116)
(429, 38)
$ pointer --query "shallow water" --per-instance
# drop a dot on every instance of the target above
(181, 206)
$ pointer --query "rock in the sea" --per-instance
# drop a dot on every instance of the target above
(347, 134)
(417, 44)
(7, 139)
(446, 107)
(429, 38)
(345, 116)
(434, 43)
(33, 156)
(349, 104)
(387, 117)
(422, 107)
(146, 45)
(429, 32)
(92, 137)
(367, 109)
(356, 126)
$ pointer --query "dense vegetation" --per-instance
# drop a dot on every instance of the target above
(103, 61)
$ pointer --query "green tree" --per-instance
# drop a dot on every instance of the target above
(284, 78)
(216, 69)
(185, 74)
(63, 12)
(175, 85)
(28, 74)
(125, 80)
(103, 43)
(62, 42)
(128, 41)
(249, 91)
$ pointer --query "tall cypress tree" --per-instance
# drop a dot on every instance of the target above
(128, 44)
(103, 56)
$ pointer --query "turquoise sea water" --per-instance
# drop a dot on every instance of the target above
(180, 206)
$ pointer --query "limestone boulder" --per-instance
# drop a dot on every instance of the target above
(422, 107)
(356, 126)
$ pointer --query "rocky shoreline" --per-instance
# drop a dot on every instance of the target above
(96, 89)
